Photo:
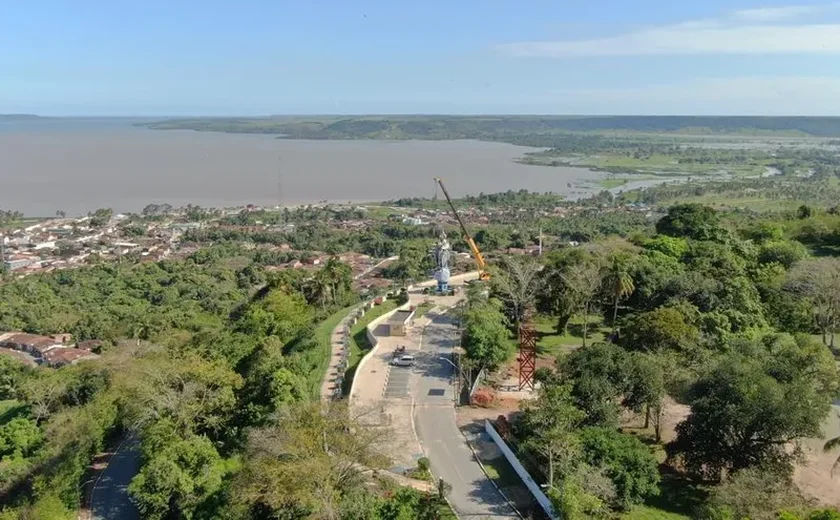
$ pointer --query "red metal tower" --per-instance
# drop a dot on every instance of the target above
(527, 356)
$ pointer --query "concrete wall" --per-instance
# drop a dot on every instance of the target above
(533, 487)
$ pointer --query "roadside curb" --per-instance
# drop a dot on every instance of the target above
(481, 465)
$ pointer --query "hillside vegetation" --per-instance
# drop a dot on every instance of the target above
(532, 130)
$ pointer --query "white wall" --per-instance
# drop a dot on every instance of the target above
(533, 487)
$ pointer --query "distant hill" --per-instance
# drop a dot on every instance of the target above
(505, 128)
(19, 117)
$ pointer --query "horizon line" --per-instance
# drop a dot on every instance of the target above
(396, 114)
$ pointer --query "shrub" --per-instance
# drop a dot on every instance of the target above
(483, 397)
(423, 464)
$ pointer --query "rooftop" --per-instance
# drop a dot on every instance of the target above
(67, 355)
(28, 340)
(400, 316)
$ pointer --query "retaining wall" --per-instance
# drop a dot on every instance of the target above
(533, 487)
(374, 342)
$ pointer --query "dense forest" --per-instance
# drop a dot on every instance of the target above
(525, 130)
(731, 318)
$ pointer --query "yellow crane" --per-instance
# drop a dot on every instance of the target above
(476, 253)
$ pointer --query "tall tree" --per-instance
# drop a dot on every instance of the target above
(516, 283)
(579, 287)
(660, 330)
(691, 221)
(599, 379)
(485, 334)
(551, 421)
(818, 280)
(625, 460)
(619, 284)
(765, 400)
(307, 461)
(177, 475)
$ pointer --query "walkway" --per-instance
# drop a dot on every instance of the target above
(110, 499)
(335, 371)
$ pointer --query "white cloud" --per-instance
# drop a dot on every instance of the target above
(750, 31)
(770, 95)
(774, 14)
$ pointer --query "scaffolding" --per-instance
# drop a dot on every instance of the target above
(527, 356)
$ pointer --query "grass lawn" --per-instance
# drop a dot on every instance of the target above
(359, 344)
(323, 333)
(501, 472)
(380, 212)
(612, 183)
(422, 309)
(550, 343)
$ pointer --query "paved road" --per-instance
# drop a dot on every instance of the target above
(473, 495)
(374, 267)
(110, 499)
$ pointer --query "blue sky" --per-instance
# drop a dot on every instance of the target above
(258, 57)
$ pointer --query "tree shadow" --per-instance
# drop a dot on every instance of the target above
(678, 493)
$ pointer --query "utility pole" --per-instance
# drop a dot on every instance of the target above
(279, 183)
(540, 254)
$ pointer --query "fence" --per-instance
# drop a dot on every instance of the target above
(529, 482)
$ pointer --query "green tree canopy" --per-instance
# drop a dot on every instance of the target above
(625, 460)
(764, 403)
(485, 336)
(690, 221)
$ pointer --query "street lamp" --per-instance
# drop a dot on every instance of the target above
(450, 362)
(463, 378)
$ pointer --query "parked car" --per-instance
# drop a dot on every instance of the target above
(403, 361)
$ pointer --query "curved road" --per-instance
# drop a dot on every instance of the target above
(473, 495)
(110, 499)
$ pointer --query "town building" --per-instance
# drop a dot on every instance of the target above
(33, 349)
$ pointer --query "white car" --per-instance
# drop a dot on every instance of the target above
(403, 361)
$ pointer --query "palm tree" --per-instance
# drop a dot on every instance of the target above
(620, 285)
(321, 288)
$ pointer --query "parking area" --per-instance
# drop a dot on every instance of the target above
(398, 381)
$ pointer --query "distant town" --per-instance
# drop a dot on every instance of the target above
(162, 232)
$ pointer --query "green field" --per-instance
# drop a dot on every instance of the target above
(658, 164)
(609, 184)
(552, 344)
(359, 344)
(29, 221)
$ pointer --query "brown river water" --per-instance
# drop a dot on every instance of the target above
(79, 165)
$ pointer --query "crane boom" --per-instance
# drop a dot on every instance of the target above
(479, 258)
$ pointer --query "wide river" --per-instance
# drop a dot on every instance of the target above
(78, 165)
